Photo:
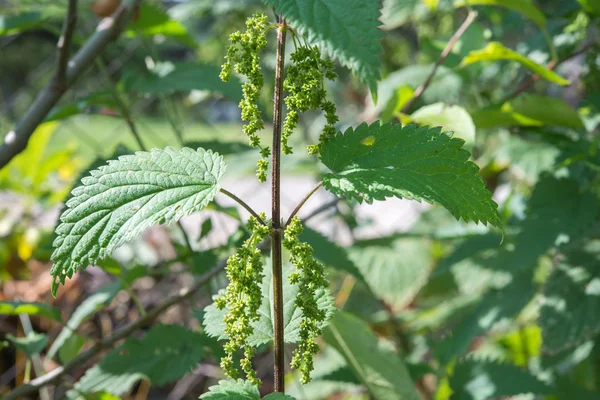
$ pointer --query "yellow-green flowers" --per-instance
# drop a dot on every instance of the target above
(305, 84)
(310, 277)
(243, 57)
(243, 298)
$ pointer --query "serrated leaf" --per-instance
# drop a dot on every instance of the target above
(30, 308)
(383, 373)
(88, 307)
(31, 344)
(408, 162)
(483, 380)
(347, 29)
(571, 300)
(450, 117)
(524, 7)
(330, 253)
(496, 51)
(118, 201)
(394, 273)
(169, 77)
(164, 354)
(232, 390)
(263, 328)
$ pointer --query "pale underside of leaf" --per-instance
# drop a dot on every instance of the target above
(373, 162)
(118, 201)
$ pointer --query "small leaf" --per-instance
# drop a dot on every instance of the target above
(524, 7)
(495, 51)
(31, 344)
(383, 373)
(33, 308)
(451, 118)
(164, 354)
(408, 162)
(120, 200)
(483, 380)
(154, 21)
(346, 29)
(263, 328)
(232, 390)
(88, 307)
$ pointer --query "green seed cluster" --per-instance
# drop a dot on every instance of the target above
(310, 277)
(243, 58)
(305, 83)
(242, 298)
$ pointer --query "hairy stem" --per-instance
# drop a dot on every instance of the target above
(275, 212)
(304, 200)
(243, 204)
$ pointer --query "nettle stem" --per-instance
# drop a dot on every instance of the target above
(276, 212)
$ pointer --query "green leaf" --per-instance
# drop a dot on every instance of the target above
(88, 307)
(13, 24)
(495, 51)
(80, 105)
(31, 344)
(571, 300)
(483, 380)
(524, 7)
(396, 272)
(169, 77)
(330, 253)
(346, 29)
(71, 348)
(451, 118)
(383, 373)
(120, 200)
(164, 354)
(33, 308)
(408, 162)
(154, 21)
(263, 328)
(591, 6)
(232, 390)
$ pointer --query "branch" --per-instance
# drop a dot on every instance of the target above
(108, 29)
(109, 342)
(243, 204)
(445, 53)
(528, 82)
(64, 46)
(304, 200)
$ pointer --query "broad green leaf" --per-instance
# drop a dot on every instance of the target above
(524, 7)
(408, 162)
(168, 77)
(71, 348)
(88, 307)
(13, 24)
(394, 273)
(330, 253)
(118, 201)
(483, 380)
(451, 118)
(382, 372)
(154, 21)
(31, 344)
(263, 328)
(37, 309)
(232, 390)
(164, 354)
(571, 300)
(496, 51)
(591, 6)
(346, 29)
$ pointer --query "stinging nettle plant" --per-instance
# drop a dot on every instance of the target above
(119, 200)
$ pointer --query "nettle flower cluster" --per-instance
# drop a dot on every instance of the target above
(304, 83)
